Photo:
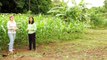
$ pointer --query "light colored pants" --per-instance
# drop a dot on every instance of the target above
(12, 38)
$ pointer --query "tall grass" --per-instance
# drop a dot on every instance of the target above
(49, 29)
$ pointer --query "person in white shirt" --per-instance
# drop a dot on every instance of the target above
(12, 27)
(32, 33)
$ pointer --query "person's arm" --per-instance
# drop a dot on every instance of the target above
(15, 28)
(8, 26)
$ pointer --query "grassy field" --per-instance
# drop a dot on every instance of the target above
(92, 47)
(56, 40)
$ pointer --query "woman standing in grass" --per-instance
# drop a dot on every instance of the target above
(31, 33)
(12, 27)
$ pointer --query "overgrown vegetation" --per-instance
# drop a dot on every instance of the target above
(94, 17)
(49, 29)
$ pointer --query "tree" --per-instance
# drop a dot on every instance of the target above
(8, 6)
(38, 6)
(20, 6)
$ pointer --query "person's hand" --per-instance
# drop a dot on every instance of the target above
(10, 29)
(15, 29)
(33, 30)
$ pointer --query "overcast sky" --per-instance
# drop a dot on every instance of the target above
(93, 3)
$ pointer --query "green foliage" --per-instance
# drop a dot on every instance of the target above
(38, 6)
(97, 17)
(49, 29)
(78, 13)
(22, 6)
(96, 20)
(93, 17)
(58, 10)
(105, 2)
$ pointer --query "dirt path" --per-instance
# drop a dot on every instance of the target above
(92, 47)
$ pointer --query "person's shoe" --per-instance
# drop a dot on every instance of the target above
(29, 49)
(34, 49)
(13, 49)
(10, 52)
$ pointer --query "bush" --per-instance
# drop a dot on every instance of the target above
(97, 18)
(97, 21)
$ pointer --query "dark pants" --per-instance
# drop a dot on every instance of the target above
(32, 41)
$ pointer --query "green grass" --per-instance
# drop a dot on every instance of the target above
(91, 47)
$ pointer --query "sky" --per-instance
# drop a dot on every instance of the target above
(92, 3)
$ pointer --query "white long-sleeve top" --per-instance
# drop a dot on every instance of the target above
(31, 28)
(11, 26)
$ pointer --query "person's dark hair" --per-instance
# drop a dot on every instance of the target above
(32, 20)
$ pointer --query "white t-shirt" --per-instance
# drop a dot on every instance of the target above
(11, 26)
